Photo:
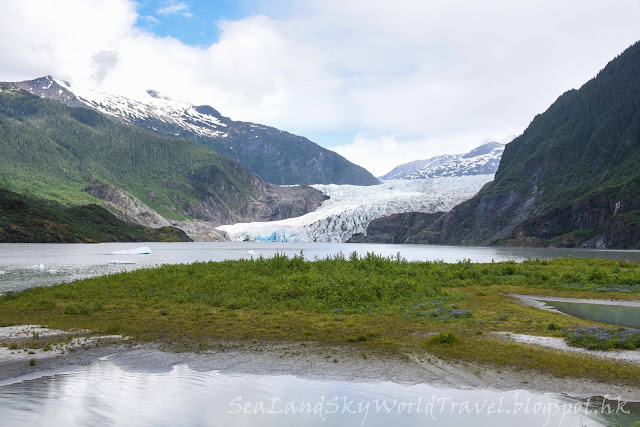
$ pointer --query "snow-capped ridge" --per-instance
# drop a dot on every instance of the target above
(483, 149)
(151, 105)
(482, 160)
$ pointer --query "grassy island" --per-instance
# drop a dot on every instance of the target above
(371, 303)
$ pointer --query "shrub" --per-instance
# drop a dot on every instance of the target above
(553, 326)
(446, 338)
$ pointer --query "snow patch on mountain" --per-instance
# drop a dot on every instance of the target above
(399, 172)
(483, 160)
(350, 209)
(166, 110)
(201, 121)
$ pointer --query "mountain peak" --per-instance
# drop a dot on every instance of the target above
(483, 149)
(482, 160)
(153, 93)
(276, 156)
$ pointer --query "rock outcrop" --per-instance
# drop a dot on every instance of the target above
(127, 207)
(398, 228)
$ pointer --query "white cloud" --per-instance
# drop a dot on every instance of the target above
(417, 78)
(150, 19)
(173, 8)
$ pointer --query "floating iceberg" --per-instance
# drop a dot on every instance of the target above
(37, 267)
(142, 250)
(118, 262)
(1, 272)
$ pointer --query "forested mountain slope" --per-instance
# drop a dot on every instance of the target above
(571, 179)
(55, 152)
(30, 220)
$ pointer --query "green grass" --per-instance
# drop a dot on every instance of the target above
(365, 302)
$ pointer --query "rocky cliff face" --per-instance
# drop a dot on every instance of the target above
(127, 207)
(225, 203)
(607, 219)
(571, 179)
(213, 208)
(398, 228)
(201, 231)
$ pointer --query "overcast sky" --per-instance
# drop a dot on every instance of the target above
(381, 82)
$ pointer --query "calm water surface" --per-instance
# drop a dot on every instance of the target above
(103, 394)
(67, 262)
(612, 314)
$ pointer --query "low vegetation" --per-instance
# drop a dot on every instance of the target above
(371, 303)
(26, 219)
(599, 338)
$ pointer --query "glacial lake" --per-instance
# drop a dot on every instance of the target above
(104, 394)
(67, 262)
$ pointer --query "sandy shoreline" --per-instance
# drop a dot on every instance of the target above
(301, 359)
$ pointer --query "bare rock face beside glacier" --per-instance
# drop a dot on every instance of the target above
(127, 207)
(350, 209)
(399, 228)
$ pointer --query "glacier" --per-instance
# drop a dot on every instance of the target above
(350, 209)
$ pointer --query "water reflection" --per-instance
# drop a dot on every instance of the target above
(104, 394)
(612, 314)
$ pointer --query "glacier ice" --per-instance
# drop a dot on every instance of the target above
(142, 250)
(351, 208)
